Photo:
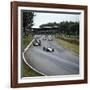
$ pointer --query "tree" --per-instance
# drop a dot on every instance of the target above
(64, 27)
(74, 28)
(27, 20)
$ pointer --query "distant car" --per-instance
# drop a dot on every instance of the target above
(37, 42)
(48, 49)
(50, 39)
(44, 38)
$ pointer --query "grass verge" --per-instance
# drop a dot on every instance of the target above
(71, 39)
(27, 40)
(26, 70)
(68, 45)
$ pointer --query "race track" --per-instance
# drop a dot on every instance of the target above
(59, 62)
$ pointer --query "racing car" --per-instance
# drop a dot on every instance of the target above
(37, 42)
(44, 38)
(48, 49)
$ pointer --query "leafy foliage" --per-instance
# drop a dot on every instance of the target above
(65, 27)
(27, 18)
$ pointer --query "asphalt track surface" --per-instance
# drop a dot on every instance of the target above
(59, 62)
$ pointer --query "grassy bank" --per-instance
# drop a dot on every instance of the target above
(71, 39)
(26, 70)
(27, 40)
(70, 46)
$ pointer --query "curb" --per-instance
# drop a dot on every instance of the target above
(29, 45)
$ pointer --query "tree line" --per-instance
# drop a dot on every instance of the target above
(27, 21)
(65, 27)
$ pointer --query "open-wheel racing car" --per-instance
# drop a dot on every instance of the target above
(37, 42)
(48, 49)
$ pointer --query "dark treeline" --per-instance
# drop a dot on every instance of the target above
(65, 27)
(27, 21)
